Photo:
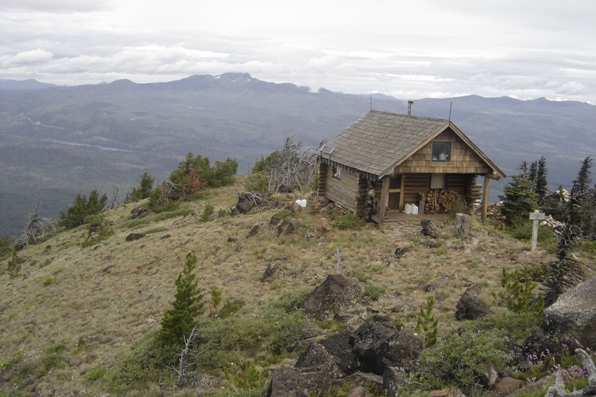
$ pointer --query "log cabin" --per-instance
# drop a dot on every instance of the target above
(386, 161)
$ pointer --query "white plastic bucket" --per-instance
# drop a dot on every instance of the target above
(414, 209)
(408, 210)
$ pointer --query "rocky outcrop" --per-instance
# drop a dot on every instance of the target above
(571, 318)
(372, 356)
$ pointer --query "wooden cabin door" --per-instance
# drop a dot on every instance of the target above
(394, 192)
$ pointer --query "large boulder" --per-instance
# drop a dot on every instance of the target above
(574, 314)
(571, 318)
(336, 292)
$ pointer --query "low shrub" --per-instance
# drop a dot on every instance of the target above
(136, 369)
(373, 291)
(347, 222)
(458, 358)
(207, 213)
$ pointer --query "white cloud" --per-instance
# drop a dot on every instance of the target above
(31, 57)
(54, 6)
(427, 48)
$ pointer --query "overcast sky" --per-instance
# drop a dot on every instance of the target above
(413, 49)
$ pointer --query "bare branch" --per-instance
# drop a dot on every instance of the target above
(37, 226)
(184, 363)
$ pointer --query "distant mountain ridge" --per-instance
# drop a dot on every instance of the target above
(58, 141)
(29, 84)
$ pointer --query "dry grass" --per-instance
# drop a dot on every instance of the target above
(100, 300)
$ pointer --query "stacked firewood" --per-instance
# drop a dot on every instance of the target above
(441, 201)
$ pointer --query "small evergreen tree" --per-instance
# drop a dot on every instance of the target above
(144, 189)
(5, 244)
(581, 210)
(427, 324)
(519, 198)
(195, 173)
(541, 183)
(82, 208)
(179, 321)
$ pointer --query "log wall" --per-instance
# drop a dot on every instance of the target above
(415, 184)
(342, 191)
(323, 175)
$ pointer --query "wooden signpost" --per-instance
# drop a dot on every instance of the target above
(535, 217)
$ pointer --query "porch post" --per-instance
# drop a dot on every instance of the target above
(402, 189)
(485, 197)
(384, 199)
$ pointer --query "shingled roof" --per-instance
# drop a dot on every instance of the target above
(380, 141)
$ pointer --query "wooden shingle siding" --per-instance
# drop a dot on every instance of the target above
(342, 191)
(463, 160)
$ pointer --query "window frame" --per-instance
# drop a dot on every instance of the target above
(336, 172)
(438, 148)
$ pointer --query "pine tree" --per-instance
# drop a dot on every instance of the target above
(519, 198)
(179, 321)
(540, 183)
(580, 206)
(145, 187)
(82, 208)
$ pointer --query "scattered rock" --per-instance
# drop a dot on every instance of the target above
(507, 385)
(290, 382)
(360, 378)
(248, 200)
(136, 212)
(232, 240)
(288, 227)
(399, 252)
(463, 224)
(429, 229)
(449, 392)
(165, 236)
(244, 206)
(337, 291)
(274, 271)
(358, 392)
(254, 231)
(134, 236)
(294, 207)
(325, 225)
(393, 379)
(470, 306)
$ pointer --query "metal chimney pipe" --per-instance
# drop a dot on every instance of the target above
(410, 103)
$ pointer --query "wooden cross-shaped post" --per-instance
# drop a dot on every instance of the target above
(536, 217)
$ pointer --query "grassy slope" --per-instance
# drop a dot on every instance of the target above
(98, 301)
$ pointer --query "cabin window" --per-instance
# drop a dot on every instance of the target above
(441, 151)
(437, 181)
(336, 172)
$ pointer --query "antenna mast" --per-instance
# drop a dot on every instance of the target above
(450, 105)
